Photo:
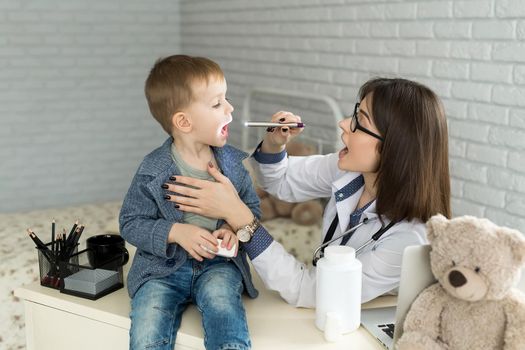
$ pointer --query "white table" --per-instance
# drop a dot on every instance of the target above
(60, 321)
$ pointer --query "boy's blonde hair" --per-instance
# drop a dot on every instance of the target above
(168, 87)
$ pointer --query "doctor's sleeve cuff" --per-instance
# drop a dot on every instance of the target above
(267, 158)
(259, 242)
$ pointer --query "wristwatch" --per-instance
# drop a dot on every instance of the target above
(245, 233)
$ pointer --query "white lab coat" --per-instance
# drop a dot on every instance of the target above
(297, 179)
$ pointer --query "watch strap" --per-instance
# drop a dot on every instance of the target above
(251, 227)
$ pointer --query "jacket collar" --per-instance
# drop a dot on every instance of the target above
(160, 160)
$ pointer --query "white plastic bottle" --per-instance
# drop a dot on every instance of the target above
(338, 291)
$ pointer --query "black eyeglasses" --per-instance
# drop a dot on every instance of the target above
(354, 124)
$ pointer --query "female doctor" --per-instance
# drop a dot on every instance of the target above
(391, 174)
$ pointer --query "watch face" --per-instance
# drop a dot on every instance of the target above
(243, 235)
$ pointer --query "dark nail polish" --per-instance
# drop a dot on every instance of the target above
(281, 120)
(164, 186)
(167, 196)
(173, 178)
(270, 129)
(210, 164)
(285, 129)
(177, 206)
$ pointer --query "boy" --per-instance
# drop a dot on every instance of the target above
(174, 264)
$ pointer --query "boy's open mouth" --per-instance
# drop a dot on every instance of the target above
(224, 130)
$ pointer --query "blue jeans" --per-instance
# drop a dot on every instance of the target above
(214, 286)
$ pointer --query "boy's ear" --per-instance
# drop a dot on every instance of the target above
(181, 122)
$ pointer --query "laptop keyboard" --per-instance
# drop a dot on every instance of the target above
(388, 329)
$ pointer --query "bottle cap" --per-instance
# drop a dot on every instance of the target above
(339, 254)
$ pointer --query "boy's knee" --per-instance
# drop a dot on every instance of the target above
(146, 314)
(220, 291)
(155, 316)
(226, 277)
(151, 329)
(140, 343)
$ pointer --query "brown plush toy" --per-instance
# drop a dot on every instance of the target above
(304, 213)
(474, 304)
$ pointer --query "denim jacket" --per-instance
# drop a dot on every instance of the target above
(146, 217)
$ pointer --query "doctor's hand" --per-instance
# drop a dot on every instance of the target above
(277, 137)
(212, 199)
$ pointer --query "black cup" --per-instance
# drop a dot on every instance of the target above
(107, 251)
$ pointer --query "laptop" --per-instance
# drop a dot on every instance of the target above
(416, 275)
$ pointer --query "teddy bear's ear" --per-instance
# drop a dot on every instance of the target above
(435, 226)
(516, 242)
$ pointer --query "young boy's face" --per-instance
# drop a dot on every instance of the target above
(210, 112)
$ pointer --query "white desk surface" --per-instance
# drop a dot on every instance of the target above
(273, 324)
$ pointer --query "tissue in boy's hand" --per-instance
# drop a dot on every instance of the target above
(225, 252)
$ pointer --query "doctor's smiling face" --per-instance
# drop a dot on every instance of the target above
(361, 139)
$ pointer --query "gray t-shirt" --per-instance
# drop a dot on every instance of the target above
(187, 170)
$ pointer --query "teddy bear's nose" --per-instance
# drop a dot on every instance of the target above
(456, 279)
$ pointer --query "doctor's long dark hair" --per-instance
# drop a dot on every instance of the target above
(413, 176)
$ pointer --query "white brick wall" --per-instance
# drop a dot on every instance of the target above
(74, 124)
(470, 52)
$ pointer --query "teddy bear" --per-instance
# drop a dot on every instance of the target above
(474, 304)
(303, 213)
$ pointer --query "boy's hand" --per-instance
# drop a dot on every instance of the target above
(192, 238)
(277, 137)
(229, 239)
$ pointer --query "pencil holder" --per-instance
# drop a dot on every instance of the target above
(82, 279)
(50, 267)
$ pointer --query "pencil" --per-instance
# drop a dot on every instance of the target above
(266, 124)
(40, 245)
(72, 230)
(35, 239)
(77, 236)
(53, 236)
(73, 243)
(59, 245)
(62, 241)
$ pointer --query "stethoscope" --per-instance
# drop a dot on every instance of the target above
(375, 237)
